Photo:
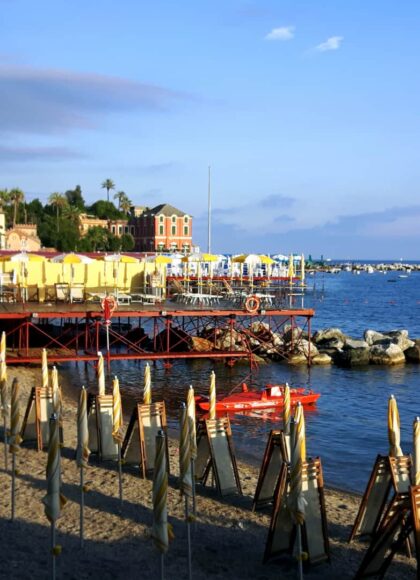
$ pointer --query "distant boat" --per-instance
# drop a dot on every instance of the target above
(403, 276)
(370, 270)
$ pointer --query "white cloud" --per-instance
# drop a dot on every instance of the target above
(332, 43)
(282, 33)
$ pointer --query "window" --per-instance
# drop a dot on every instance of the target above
(186, 218)
(132, 229)
(120, 230)
(185, 230)
(126, 229)
(161, 218)
(113, 229)
(174, 219)
(161, 230)
(173, 230)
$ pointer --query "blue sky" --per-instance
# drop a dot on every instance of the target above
(308, 113)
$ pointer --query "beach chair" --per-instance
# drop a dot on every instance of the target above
(77, 293)
(62, 293)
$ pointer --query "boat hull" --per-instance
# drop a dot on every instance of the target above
(251, 402)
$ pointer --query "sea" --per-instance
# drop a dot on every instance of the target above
(348, 428)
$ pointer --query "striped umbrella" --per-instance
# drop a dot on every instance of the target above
(53, 500)
(147, 391)
(394, 436)
(300, 418)
(160, 492)
(55, 390)
(212, 396)
(15, 439)
(44, 369)
(101, 374)
(82, 452)
(416, 451)
(117, 416)
(185, 479)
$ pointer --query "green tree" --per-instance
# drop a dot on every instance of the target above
(35, 211)
(108, 184)
(75, 197)
(125, 205)
(4, 198)
(105, 210)
(72, 214)
(127, 243)
(59, 201)
(120, 195)
(17, 197)
(95, 239)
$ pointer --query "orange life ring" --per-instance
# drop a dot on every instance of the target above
(252, 304)
(110, 302)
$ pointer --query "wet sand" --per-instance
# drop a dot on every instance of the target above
(228, 539)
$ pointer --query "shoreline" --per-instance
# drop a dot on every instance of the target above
(118, 540)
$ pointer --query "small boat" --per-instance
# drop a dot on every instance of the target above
(272, 396)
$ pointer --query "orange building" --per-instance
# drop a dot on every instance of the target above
(162, 228)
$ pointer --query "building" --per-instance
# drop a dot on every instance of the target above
(23, 237)
(117, 227)
(162, 228)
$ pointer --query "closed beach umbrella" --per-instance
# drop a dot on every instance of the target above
(416, 451)
(147, 391)
(160, 492)
(44, 369)
(117, 416)
(300, 419)
(55, 390)
(291, 269)
(394, 435)
(15, 438)
(286, 410)
(212, 396)
(101, 374)
(191, 420)
(83, 451)
(302, 269)
(185, 480)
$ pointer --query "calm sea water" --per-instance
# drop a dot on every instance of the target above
(349, 426)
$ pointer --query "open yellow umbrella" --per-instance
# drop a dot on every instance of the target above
(101, 374)
(72, 258)
(212, 396)
(266, 260)
(123, 258)
(22, 257)
(147, 391)
(394, 435)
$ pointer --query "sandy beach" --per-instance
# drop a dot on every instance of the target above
(228, 539)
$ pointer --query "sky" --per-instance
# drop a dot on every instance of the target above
(308, 113)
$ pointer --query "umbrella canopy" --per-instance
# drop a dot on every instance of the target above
(250, 259)
(101, 374)
(191, 419)
(83, 451)
(147, 391)
(117, 416)
(72, 259)
(286, 410)
(212, 396)
(44, 369)
(123, 258)
(394, 435)
(23, 257)
(158, 259)
(416, 451)
(160, 493)
(55, 390)
(200, 258)
(298, 456)
(185, 476)
(266, 260)
(53, 501)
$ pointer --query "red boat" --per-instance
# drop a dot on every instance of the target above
(272, 396)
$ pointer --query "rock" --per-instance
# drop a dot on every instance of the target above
(355, 344)
(277, 340)
(321, 359)
(201, 344)
(386, 355)
(297, 359)
(328, 334)
(259, 327)
(412, 354)
(353, 357)
(371, 336)
(329, 343)
(293, 334)
(305, 347)
(400, 337)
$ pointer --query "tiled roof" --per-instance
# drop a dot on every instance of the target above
(167, 209)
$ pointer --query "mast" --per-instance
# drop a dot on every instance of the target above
(209, 214)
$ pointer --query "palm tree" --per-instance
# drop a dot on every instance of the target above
(17, 197)
(120, 195)
(125, 204)
(4, 198)
(72, 213)
(108, 184)
(59, 201)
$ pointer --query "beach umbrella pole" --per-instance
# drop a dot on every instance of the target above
(162, 567)
(299, 550)
(53, 571)
(5, 443)
(194, 504)
(13, 485)
(189, 537)
(120, 474)
(82, 506)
